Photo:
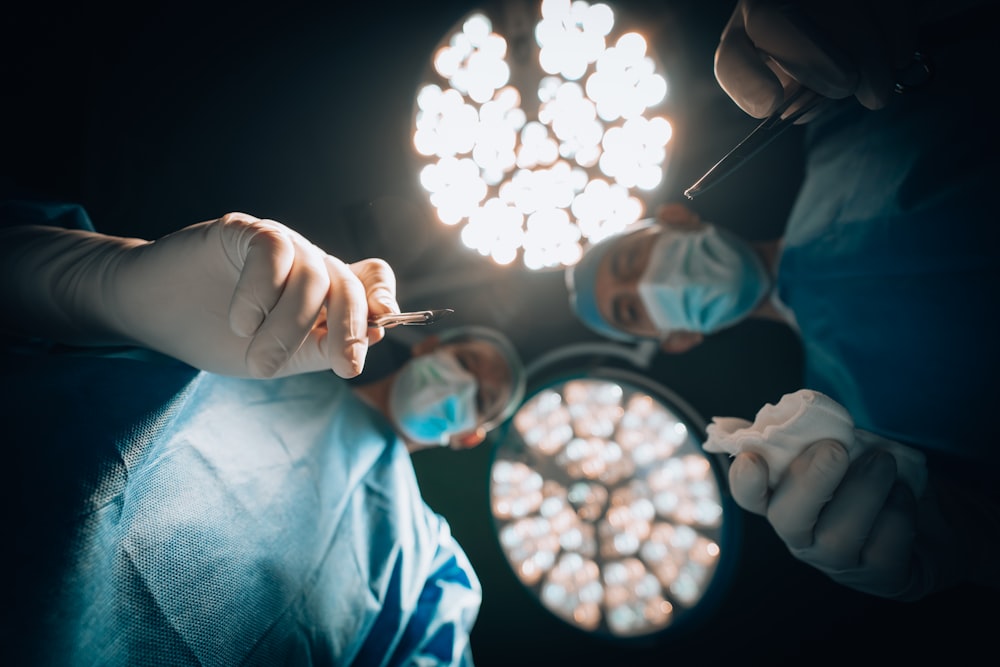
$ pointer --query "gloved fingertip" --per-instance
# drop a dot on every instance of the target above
(748, 463)
(242, 329)
(880, 463)
(355, 355)
(830, 451)
(390, 303)
(245, 319)
(263, 367)
(760, 107)
(267, 355)
(748, 482)
(759, 97)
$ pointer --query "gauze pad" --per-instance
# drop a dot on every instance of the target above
(781, 432)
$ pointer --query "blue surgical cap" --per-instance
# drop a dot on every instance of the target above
(581, 279)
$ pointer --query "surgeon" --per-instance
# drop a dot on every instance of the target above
(887, 269)
(198, 482)
(448, 390)
(675, 279)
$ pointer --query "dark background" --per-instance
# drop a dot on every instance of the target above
(159, 115)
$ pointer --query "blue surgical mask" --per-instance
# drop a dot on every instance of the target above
(433, 398)
(701, 281)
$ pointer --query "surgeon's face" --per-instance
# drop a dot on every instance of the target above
(493, 375)
(616, 286)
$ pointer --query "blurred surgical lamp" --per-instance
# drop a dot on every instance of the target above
(536, 130)
(605, 505)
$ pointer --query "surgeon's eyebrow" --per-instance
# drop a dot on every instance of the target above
(625, 259)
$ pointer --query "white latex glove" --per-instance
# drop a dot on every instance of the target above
(836, 48)
(844, 509)
(853, 522)
(238, 296)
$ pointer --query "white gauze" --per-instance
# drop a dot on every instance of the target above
(780, 432)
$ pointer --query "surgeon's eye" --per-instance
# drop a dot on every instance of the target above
(623, 261)
(628, 311)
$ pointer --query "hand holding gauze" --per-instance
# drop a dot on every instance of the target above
(781, 432)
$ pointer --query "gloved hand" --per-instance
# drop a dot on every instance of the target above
(854, 522)
(836, 48)
(238, 296)
(842, 499)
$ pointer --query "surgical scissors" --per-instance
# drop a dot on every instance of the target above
(416, 317)
(769, 130)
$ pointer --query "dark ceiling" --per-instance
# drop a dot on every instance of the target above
(158, 115)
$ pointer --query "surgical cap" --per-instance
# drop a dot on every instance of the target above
(581, 280)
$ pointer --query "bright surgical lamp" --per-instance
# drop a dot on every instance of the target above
(538, 130)
(606, 507)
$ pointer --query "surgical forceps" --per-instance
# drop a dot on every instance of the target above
(769, 130)
(799, 103)
(416, 317)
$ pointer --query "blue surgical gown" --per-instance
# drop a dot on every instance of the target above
(159, 515)
(891, 262)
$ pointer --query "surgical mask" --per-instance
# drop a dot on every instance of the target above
(433, 398)
(701, 281)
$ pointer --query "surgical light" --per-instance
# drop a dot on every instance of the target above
(538, 161)
(607, 508)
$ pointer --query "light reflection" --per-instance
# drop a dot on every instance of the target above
(542, 188)
(632, 507)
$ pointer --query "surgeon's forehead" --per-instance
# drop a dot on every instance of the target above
(628, 255)
(617, 276)
(482, 358)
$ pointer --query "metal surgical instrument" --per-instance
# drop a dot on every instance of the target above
(416, 317)
(803, 100)
(772, 127)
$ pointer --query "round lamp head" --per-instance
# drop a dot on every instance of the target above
(606, 507)
(540, 129)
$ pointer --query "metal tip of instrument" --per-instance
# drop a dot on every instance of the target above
(440, 313)
(798, 104)
(406, 319)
